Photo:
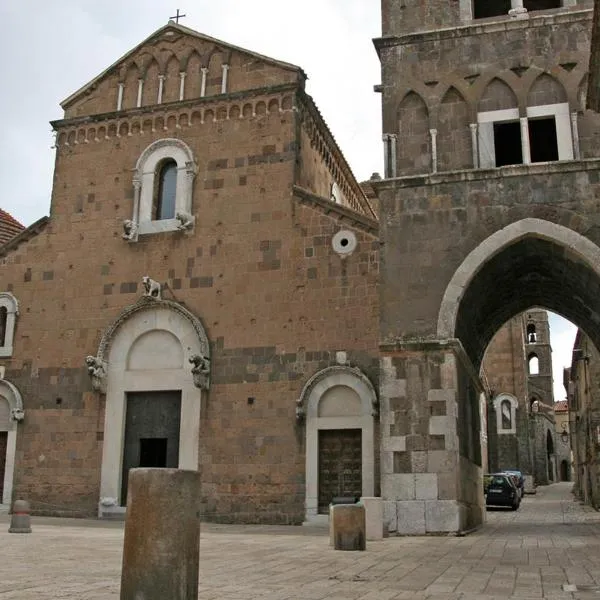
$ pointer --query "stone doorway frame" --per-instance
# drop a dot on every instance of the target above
(308, 408)
(148, 315)
(15, 402)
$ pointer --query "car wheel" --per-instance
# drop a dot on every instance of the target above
(515, 506)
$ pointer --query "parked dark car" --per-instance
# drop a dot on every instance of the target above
(502, 491)
(520, 479)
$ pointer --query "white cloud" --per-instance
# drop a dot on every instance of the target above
(65, 43)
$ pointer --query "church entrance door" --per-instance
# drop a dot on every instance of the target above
(3, 444)
(152, 423)
(340, 465)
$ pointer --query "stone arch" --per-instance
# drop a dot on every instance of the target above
(193, 82)
(172, 80)
(546, 89)
(414, 151)
(576, 250)
(130, 91)
(497, 95)
(11, 413)
(131, 350)
(454, 135)
(337, 398)
(150, 89)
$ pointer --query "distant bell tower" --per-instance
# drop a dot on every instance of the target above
(538, 354)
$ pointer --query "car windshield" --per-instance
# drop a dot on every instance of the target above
(498, 480)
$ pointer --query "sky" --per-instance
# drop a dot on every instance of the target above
(53, 48)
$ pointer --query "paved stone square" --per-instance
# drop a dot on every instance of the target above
(550, 542)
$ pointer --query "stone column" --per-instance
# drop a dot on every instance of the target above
(161, 86)
(575, 132)
(224, 79)
(203, 83)
(161, 549)
(475, 143)
(434, 157)
(431, 451)
(389, 155)
(182, 85)
(120, 96)
(139, 94)
(525, 147)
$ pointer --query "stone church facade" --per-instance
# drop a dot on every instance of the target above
(202, 295)
(214, 290)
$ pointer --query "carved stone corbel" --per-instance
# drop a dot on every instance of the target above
(17, 414)
(186, 221)
(97, 371)
(130, 230)
(200, 371)
(152, 289)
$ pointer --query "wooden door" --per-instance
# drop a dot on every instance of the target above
(340, 465)
(152, 422)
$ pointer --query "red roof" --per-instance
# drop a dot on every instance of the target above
(561, 406)
(9, 227)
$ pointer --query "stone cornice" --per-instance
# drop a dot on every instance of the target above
(481, 28)
(124, 115)
(342, 213)
(420, 345)
(309, 105)
(441, 178)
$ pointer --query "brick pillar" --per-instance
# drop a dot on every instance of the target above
(162, 535)
(430, 439)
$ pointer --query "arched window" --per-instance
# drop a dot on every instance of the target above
(505, 406)
(531, 334)
(9, 309)
(533, 363)
(166, 190)
(163, 183)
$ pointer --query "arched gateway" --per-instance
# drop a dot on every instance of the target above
(154, 365)
(438, 318)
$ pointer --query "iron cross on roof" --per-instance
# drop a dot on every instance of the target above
(177, 17)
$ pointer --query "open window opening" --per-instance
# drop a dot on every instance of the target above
(531, 5)
(3, 321)
(507, 143)
(531, 334)
(166, 190)
(533, 363)
(543, 140)
(490, 8)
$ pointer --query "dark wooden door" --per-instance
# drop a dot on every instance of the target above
(3, 441)
(340, 465)
(152, 422)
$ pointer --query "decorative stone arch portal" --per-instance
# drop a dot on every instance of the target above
(11, 413)
(154, 346)
(337, 398)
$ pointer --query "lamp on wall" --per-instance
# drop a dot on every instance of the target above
(564, 435)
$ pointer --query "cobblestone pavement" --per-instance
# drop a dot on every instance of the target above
(549, 548)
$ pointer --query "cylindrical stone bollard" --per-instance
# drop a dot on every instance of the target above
(161, 550)
(20, 520)
(348, 527)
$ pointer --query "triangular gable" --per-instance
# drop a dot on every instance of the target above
(180, 29)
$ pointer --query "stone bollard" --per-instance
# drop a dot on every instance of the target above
(348, 526)
(161, 550)
(20, 520)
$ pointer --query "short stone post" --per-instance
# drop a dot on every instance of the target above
(348, 526)
(20, 520)
(161, 551)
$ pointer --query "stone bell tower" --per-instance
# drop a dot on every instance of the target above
(482, 103)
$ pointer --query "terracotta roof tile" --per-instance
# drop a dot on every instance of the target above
(561, 406)
(9, 227)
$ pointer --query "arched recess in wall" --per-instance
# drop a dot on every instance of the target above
(215, 73)
(505, 407)
(339, 406)
(172, 80)
(161, 385)
(414, 148)
(11, 413)
(546, 90)
(150, 89)
(131, 84)
(193, 81)
(454, 135)
(564, 264)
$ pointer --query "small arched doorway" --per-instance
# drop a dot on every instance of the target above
(550, 455)
(11, 413)
(565, 470)
(339, 405)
